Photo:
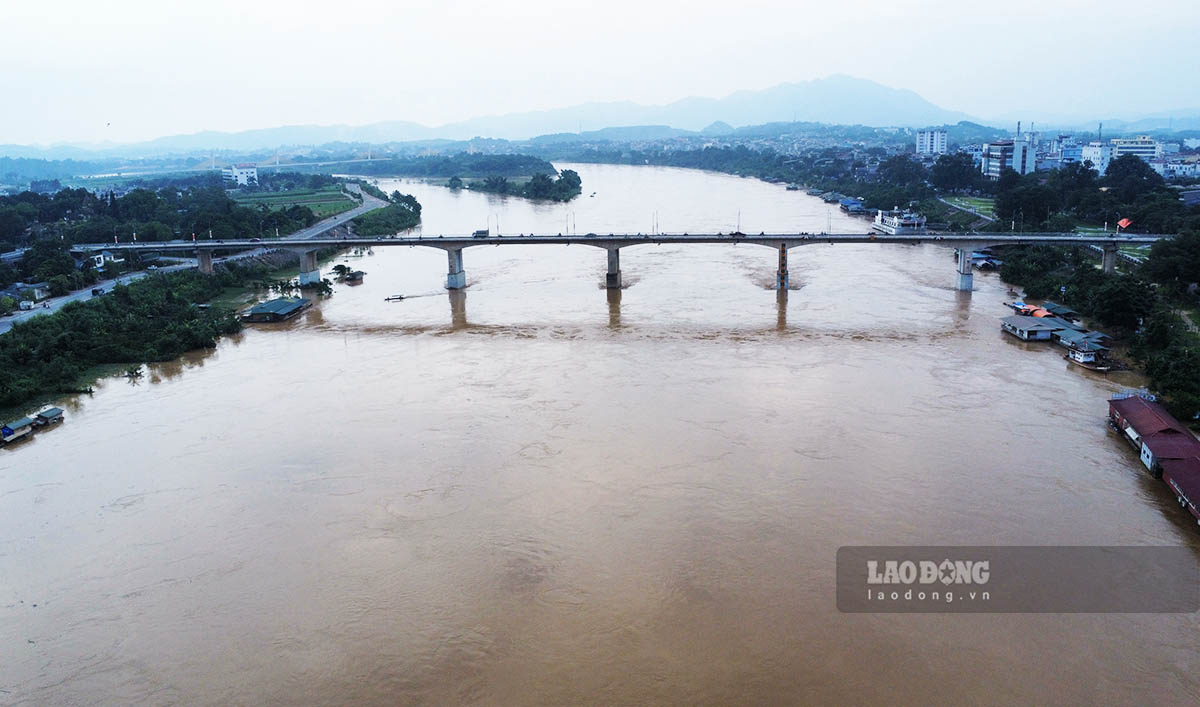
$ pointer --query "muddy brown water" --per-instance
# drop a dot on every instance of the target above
(538, 491)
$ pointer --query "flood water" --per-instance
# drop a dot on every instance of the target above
(539, 491)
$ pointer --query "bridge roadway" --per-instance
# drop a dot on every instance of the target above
(454, 245)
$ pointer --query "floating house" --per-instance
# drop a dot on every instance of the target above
(276, 310)
(852, 206)
(1070, 338)
(985, 260)
(1153, 432)
(1029, 328)
(49, 416)
(16, 429)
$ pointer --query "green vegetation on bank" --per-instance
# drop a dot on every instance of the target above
(153, 319)
(403, 213)
(1140, 307)
(565, 187)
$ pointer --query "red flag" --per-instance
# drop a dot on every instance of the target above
(1124, 223)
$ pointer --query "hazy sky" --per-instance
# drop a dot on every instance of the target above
(137, 69)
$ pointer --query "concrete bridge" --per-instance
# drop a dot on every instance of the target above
(456, 276)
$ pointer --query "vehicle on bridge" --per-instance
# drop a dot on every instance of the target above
(484, 233)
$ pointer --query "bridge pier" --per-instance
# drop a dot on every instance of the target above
(612, 279)
(966, 277)
(204, 260)
(310, 272)
(1108, 261)
(456, 277)
(781, 277)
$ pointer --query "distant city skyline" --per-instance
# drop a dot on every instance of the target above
(82, 72)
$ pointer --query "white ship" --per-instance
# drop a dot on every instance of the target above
(897, 222)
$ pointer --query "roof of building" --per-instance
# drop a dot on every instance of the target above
(279, 305)
(1083, 340)
(1032, 323)
(1146, 417)
(1186, 472)
(1060, 310)
(1171, 444)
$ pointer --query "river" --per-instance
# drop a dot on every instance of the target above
(538, 491)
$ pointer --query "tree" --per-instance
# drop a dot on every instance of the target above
(1122, 300)
(455, 183)
(954, 172)
(901, 170)
(1175, 261)
(7, 305)
(1130, 178)
(496, 184)
(59, 285)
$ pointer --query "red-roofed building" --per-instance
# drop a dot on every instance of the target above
(1152, 431)
(1183, 476)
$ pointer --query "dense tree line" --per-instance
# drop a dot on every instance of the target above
(463, 164)
(403, 213)
(80, 216)
(1076, 194)
(153, 319)
(565, 187)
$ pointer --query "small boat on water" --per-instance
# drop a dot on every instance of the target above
(793, 187)
(393, 298)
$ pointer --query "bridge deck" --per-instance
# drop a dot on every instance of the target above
(773, 240)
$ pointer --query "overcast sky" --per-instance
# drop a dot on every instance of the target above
(137, 69)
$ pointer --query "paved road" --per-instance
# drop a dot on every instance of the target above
(369, 203)
(57, 303)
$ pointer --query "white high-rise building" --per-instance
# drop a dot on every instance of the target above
(241, 174)
(931, 142)
(1099, 154)
(1143, 146)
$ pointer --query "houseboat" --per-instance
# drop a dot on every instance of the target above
(1151, 431)
(1089, 357)
(1164, 445)
(276, 310)
(49, 416)
(898, 223)
(15, 430)
(1029, 328)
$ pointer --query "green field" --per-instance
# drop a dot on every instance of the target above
(324, 202)
(985, 207)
